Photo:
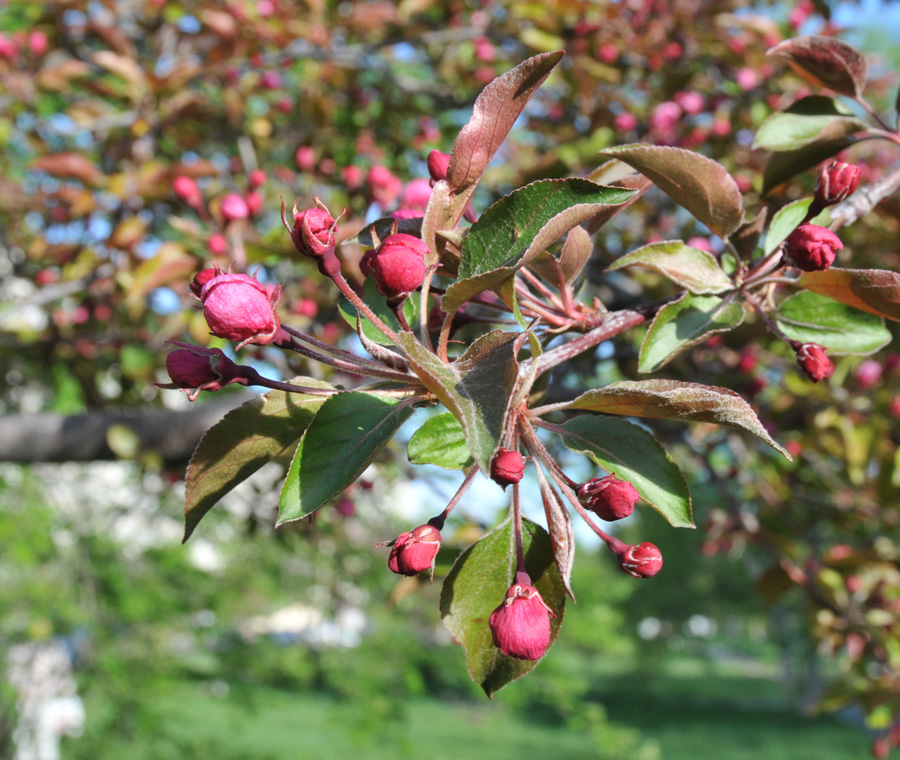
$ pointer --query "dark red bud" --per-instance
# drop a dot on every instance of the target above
(200, 279)
(196, 369)
(520, 626)
(438, 163)
(398, 266)
(314, 233)
(507, 467)
(813, 361)
(835, 182)
(610, 498)
(813, 248)
(413, 552)
(641, 560)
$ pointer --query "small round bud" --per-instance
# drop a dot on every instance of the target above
(868, 373)
(216, 245)
(507, 467)
(813, 361)
(813, 248)
(238, 307)
(186, 190)
(835, 182)
(255, 202)
(196, 369)
(641, 560)
(520, 626)
(438, 163)
(234, 207)
(413, 552)
(384, 185)
(314, 233)
(201, 278)
(398, 266)
(257, 178)
(610, 498)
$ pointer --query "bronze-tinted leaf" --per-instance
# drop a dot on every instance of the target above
(825, 61)
(876, 291)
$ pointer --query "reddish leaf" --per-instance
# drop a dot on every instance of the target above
(703, 186)
(825, 61)
(70, 165)
(876, 291)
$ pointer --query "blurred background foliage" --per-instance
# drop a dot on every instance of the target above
(785, 600)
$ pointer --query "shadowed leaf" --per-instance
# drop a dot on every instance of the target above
(825, 61)
(813, 318)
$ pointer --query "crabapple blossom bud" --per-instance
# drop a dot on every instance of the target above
(868, 373)
(520, 626)
(314, 232)
(353, 177)
(257, 178)
(813, 248)
(438, 163)
(254, 202)
(306, 158)
(238, 307)
(385, 185)
(196, 369)
(813, 361)
(835, 182)
(217, 245)
(8, 47)
(641, 560)
(507, 467)
(416, 194)
(413, 552)
(201, 278)
(611, 498)
(38, 43)
(625, 121)
(234, 207)
(186, 190)
(398, 266)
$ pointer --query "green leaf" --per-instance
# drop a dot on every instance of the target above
(785, 221)
(476, 387)
(684, 323)
(477, 585)
(520, 226)
(812, 318)
(784, 165)
(703, 186)
(348, 432)
(243, 441)
(629, 452)
(675, 400)
(377, 303)
(812, 119)
(696, 270)
(825, 61)
(440, 441)
(876, 291)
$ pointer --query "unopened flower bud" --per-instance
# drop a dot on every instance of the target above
(257, 178)
(314, 232)
(611, 498)
(641, 560)
(413, 552)
(186, 190)
(201, 278)
(238, 307)
(438, 163)
(507, 467)
(234, 207)
(398, 266)
(835, 182)
(254, 202)
(385, 185)
(520, 626)
(196, 369)
(813, 361)
(813, 248)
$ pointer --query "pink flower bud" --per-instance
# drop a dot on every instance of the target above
(306, 158)
(385, 186)
(813, 248)
(8, 47)
(835, 182)
(38, 43)
(894, 407)
(813, 361)
(196, 369)
(407, 213)
(438, 163)
(691, 101)
(413, 552)
(868, 373)
(353, 177)
(254, 202)
(507, 467)
(257, 178)
(520, 626)
(416, 194)
(625, 122)
(234, 207)
(217, 245)
(611, 498)
(270, 80)
(641, 560)
(186, 190)
(399, 266)
(237, 307)
(314, 232)
(203, 277)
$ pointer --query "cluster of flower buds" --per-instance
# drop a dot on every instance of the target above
(610, 498)
(507, 467)
(813, 361)
(520, 626)
(812, 248)
(238, 307)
